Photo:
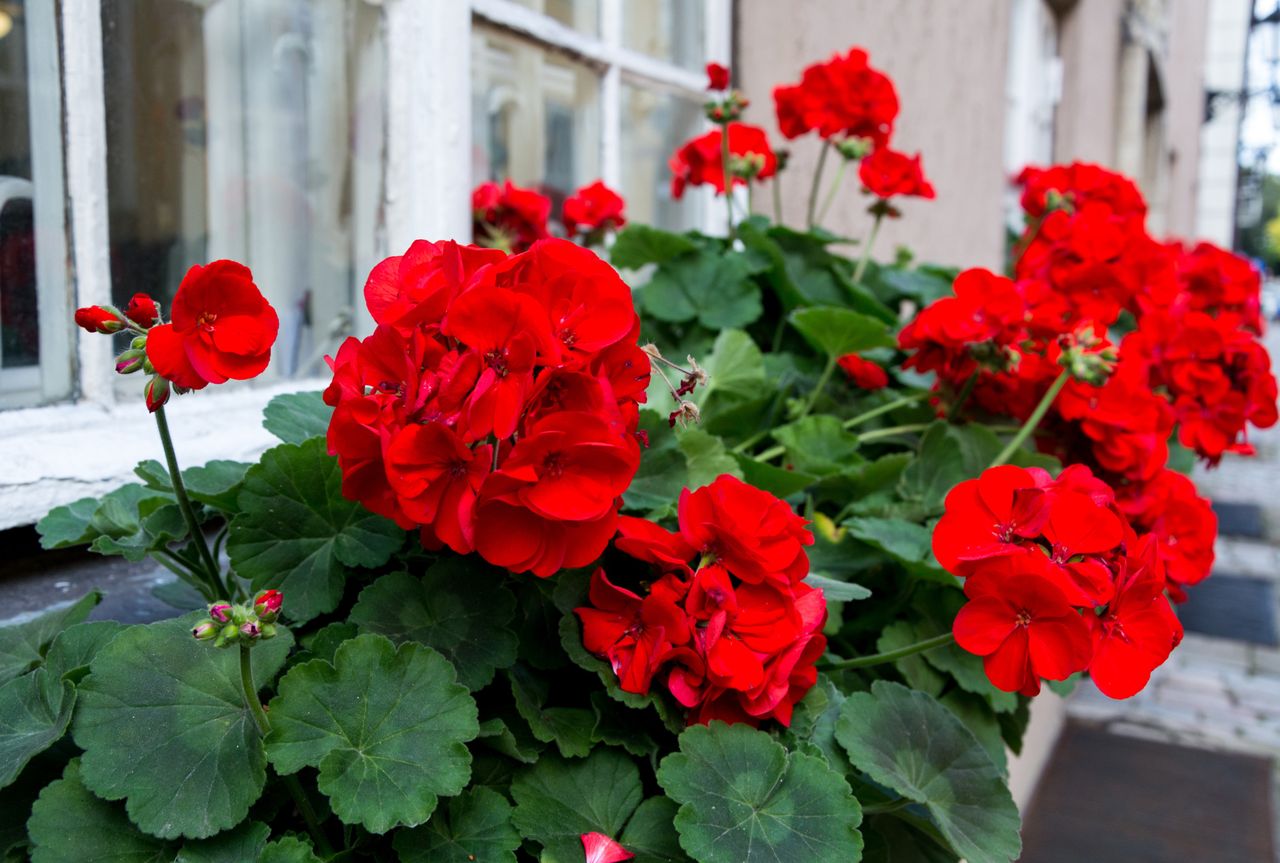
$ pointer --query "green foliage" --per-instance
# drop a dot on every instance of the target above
(744, 799)
(296, 532)
(23, 645)
(386, 727)
(835, 332)
(474, 826)
(297, 417)
(709, 288)
(558, 800)
(637, 245)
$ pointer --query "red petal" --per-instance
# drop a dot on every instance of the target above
(599, 848)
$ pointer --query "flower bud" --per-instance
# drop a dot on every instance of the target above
(99, 319)
(226, 635)
(204, 631)
(853, 149)
(142, 310)
(130, 361)
(267, 605)
(250, 629)
(268, 631)
(220, 612)
(157, 393)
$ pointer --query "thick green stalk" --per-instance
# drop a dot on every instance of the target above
(264, 727)
(866, 250)
(891, 655)
(817, 184)
(728, 179)
(777, 197)
(892, 431)
(1032, 421)
(188, 512)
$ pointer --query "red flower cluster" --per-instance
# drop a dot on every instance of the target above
(701, 161)
(1182, 525)
(495, 403)
(593, 208)
(1057, 580)
(509, 217)
(843, 97)
(222, 329)
(717, 77)
(729, 624)
(886, 173)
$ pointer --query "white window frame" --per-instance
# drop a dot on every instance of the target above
(58, 453)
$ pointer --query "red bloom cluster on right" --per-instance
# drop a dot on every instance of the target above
(495, 405)
(729, 624)
(1057, 580)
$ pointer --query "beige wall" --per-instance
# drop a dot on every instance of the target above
(1184, 82)
(947, 58)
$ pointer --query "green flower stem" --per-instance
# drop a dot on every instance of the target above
(817, 390)
(751, 441)
(866, 250)
(291, 782)
(728, 178)
(885, 808)
(890, 655)
(777, 197)
(854, 422)
(831, 194)
(188, 513)
(892, 431)
(817, 183)
(963, 398)
(1032, 421)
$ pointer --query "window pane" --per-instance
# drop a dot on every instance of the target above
(535, 116)
(34, 325)
(654, 124)
(671, 30)
(251, 130)
(583, 15)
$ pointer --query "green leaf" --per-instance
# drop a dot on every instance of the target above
(923, 286)
(68, 525)
(619, 726)
(743, 799)
(569, 728)
(813, 723)
(637, 245)
(735, 368)
(837, 591)
(651, 833)
(459, 607)
(714, 289)
(473, 827)
(290, 849)
(386, 726)
(163, 723)
(325, 641)
(296, 417)
(23, 645)
(948, 455)
(557, 800)
(919, 674)
(705, 457)
(773, 479)
(70, 825)
(835, 332)
(903, 539)
(910, 743)
(239, 844)
(216, 483)
(663, 468)
(35, 710)
(298, 534)
(818, 444)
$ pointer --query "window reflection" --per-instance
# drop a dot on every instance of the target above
(19, 321)
(655, 124)
(670, 30)
(252, 130)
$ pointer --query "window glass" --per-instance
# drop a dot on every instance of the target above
(34, 324)
(251, 130)
(655, 123)
(535, 116)
(670, 30)
(582, 15)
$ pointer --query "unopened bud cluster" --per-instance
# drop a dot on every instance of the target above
(1087, 357)
(228, 624)
(727, 110)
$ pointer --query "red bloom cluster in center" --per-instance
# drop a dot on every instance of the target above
(1057, 580)
(495, 404)
(729, 624)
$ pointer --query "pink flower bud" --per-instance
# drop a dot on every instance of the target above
(157, 393)
(220, 611)
(204, 630)
(250, 629)
(267, 605)
(130, 361)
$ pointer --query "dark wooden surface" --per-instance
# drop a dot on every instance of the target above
(1108, 798)
(1232, 606)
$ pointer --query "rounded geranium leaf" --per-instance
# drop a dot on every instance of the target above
(836, 332)
(295, 417)
(290, 849)
(34, 712)
(163, 723)
(651, 833)
(744, 799)
(22, 646)
(909, 742)
(385, 726)
(69, 824)
(475, 826)
(558, 800)
(242, 842)
(75, 647)
(298, 534)
(714, 289)
(459, 607)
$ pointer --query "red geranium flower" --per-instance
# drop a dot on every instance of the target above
(416, 287)
(864, 373)
(843, 97)
(599, 848)
(142, 310)
(717, 77)
(222, 329)
(96, 319)
(701, 161)
(886, 173)
(509, 217)
(593, 208)
(989, 517)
